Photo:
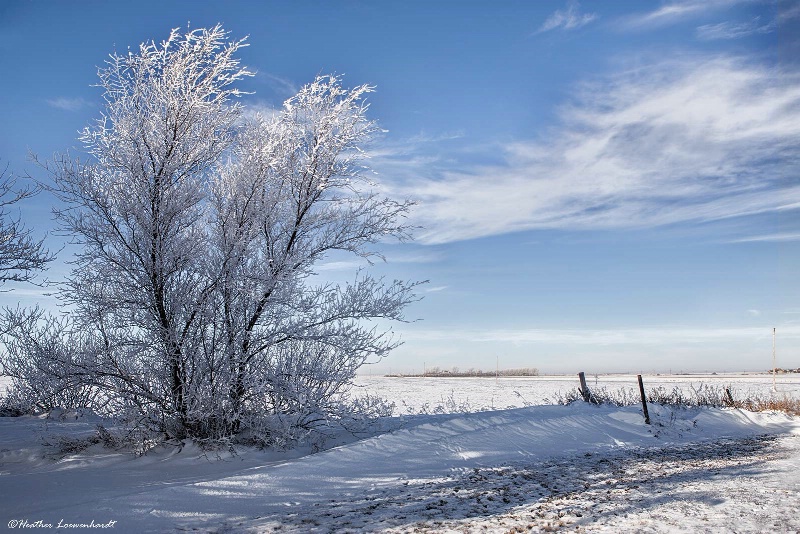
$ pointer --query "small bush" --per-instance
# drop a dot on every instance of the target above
(614, 397)
(64, 445)
(701, 396)
(785, 404)
(11, 406)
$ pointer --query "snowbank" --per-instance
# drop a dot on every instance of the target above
(254, 490)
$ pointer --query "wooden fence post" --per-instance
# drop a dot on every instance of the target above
(644, 400)
(729, 398)
(584, 389)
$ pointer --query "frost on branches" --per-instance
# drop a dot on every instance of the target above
(200, 228)
(21, 257)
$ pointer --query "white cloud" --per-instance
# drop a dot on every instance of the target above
(392, 256)
(668, 13)
(569, 19)
(754, 313)
(769, 238)
(403, 149)
(283, 87)
(733, 30)
(259, 108)
(436, 289)
(68, 104)
(673, 12)
(340, 266)
(28, 292)
(694, 140)
(788, 12)
(421, 257)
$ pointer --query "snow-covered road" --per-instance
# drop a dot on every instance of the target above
(741, 485)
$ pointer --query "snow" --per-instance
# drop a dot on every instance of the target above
(590, 468)
(415, 394)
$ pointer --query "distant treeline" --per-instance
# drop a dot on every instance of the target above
(782, 371)
(470, 373)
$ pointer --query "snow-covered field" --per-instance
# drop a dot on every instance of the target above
(416, 394)
(577, 467)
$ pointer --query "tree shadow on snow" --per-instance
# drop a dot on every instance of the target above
(566, 492)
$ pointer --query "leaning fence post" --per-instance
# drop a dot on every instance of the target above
(644, 400)
(729, 398)
(584, 390)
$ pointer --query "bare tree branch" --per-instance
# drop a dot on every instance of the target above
(21, 256)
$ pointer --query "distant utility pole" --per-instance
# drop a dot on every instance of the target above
(774, 364)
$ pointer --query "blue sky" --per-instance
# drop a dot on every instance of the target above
(601, 186)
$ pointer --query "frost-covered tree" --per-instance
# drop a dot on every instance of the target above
(21, 256)
(137, 206)
(200, 231)
(294, 191)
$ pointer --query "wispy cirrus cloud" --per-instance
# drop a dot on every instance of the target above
(788, 10)
(733, 30)
(697, 140)
(666, 13)
(392, 256)
(569, 19)
(68, 104)
(341, 265)
(282, 87)
(436, 289)
(672, 12)
(788, 236)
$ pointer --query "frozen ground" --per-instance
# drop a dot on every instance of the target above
(538, 468)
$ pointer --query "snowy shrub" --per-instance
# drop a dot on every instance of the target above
(12, 405)
(363, 415)
(447, 404)
(63, 444)
(369, 407)
(46, 361)
(704, 395)
(616, 397)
